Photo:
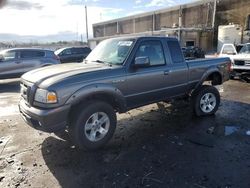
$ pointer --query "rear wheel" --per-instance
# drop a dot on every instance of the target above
(206, 101)
(93, 125)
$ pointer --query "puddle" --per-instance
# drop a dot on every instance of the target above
(231, 130)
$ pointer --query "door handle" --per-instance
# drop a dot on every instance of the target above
(166, 72)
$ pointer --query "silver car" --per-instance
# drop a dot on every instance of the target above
(15, 62)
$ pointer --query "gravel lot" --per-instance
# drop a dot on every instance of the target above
(152, 147)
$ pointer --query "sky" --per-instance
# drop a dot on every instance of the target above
(53, 20)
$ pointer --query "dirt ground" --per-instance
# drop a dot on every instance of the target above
(151, 147)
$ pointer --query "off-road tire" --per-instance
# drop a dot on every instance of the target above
(200, 95)
(82, 114)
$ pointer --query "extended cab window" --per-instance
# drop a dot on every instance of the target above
(153, 50)
(175, 52)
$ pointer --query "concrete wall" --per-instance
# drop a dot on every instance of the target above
(198, 16)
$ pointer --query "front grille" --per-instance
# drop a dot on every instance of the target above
(239, 62)
(247, 63)
(25, 91)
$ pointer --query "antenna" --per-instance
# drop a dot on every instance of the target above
(86, 21)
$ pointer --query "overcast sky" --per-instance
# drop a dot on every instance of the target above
(62, 17)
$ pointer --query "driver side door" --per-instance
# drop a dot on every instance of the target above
(147, 84)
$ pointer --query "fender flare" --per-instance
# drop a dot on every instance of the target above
(206, 75)
(98, 89)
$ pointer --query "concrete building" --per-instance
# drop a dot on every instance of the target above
(194, 24)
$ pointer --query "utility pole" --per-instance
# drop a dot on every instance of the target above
(86, 21)
(180, 24)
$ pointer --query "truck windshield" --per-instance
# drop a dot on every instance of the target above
(245, 49)
(111, 51)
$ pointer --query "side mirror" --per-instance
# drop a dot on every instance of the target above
(141, 62)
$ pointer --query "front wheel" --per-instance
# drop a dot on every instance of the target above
(206, 101)
(93, 125)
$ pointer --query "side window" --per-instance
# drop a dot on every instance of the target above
(10, 55)
(78, 51)
(175, 52)
(153, 50)
(86, 50)
(31, 54)
(67, 52)
(75, 51)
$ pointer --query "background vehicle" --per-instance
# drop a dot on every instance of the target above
(240, 59)
(73, 54)
(193, 52)
(15, 62)
(120, 74)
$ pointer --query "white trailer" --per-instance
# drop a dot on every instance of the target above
(229, 34)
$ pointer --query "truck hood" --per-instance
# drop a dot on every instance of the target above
(61, 71)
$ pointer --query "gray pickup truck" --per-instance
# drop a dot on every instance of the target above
(119, 74)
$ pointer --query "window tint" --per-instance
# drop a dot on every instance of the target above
(86, 50)
(9, 55)
(153, 50)
(175, 52)
(31, 54)
(77, 51)
(80, 50)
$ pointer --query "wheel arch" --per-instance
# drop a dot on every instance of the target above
(212, 75)
(102, 92)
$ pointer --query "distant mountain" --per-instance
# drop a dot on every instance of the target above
(61, 36)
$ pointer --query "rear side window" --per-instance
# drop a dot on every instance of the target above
(77, 50)
(31, 54)
(81, 50)
(175, 52)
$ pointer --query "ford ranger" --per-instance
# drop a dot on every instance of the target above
(118, 75)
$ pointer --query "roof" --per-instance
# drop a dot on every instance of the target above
(26, 49)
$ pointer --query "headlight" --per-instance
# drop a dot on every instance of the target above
(45, 96)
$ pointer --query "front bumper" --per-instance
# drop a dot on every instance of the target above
(47, 120)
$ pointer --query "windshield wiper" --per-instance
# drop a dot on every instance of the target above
(104, 62)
